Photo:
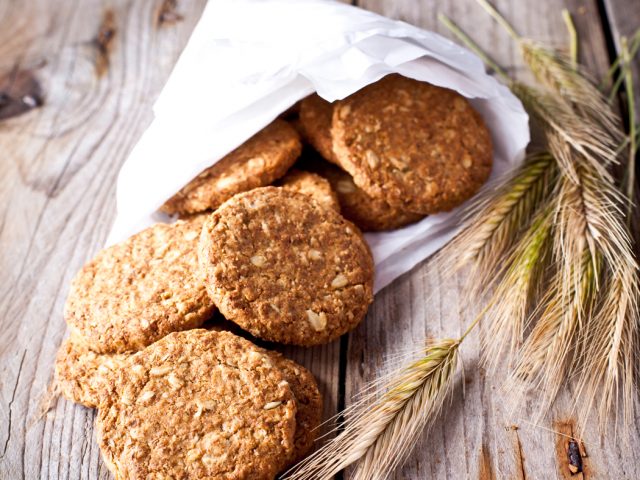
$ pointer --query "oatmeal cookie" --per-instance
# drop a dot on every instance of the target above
(286, 269)
(263, 158)
(198, 405)
(84, 376)
(369, 213)
(136, 292)
(419, 147)
(312, 185)
(315, 124)
(308, 403)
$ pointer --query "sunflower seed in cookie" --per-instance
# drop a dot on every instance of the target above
(262, 159)
(198, 404)
(418, 147)
(286, 269)
(136, 292)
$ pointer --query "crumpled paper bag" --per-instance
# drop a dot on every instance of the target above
(247, 61)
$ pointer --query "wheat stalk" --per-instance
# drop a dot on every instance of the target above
(382, 433)
(514, 294)
(491, 223)
(610, 350)
(592, 245)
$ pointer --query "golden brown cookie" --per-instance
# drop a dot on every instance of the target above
(84, 376)
(286, 269)
(315, 125)
(308, 403)
(419, 147)
(198, 405)
(370, 214)
(136, 292)
(312, 185)
(263, 158)
(304, 388)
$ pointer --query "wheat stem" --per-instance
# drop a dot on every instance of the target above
(491, 10)
(573, 37)
(633, 150)
(464, 38)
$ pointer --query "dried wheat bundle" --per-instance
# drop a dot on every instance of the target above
(551, 245)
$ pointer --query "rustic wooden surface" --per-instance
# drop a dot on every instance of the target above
(91, 71)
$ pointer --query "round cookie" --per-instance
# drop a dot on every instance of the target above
(315, 124)
(83, 376)
(305, 389)
(308, 402)
(286, 269)
(419, 147)
(312, 185)
(198, 405)
(263, 158)
(369, 213)
(136, 292)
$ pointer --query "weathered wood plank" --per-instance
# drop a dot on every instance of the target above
(477, 436)
(99, 66)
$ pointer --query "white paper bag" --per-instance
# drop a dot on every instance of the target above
(247, 61)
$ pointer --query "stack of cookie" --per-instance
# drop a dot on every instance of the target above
(268, 247)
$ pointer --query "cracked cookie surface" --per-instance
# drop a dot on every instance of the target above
(136, 292)
(263, 158)
(419, 147)
(198, 405)
(286, 269)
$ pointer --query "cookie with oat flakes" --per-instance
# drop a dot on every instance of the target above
(84, 376)
(315, 124)
(286, 269)
(308, 403)
(136, 292)
(312, 185)
(198, 405)
(419, 147)
(262, 159)
(369, 213)
(305, 389)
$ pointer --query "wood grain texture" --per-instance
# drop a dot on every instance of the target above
(82, 76)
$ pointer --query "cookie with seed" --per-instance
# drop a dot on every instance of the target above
(260, 161)
(315, 124)
(312, 185)
(286, 269)
(369, 213)
(198, 404)
(308, 403)
(82, 375)
(419, 147)
(305, 390)
(136, 292)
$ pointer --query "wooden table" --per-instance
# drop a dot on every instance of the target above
(87, 72)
